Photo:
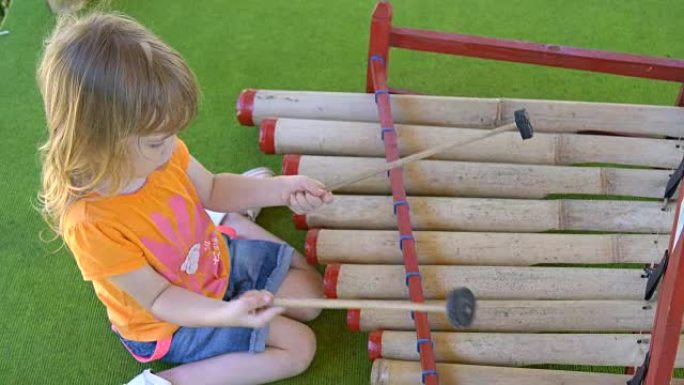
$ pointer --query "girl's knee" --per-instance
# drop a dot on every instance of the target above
(306, 315)
(296, 340)
(310, 286)
(304, 351)
(313, 283)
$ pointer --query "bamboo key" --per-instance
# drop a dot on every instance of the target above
(459, 308)
(522, 123)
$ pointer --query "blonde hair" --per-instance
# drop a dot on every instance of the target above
(104, 78)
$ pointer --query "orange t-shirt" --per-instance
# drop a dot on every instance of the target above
(164, 225)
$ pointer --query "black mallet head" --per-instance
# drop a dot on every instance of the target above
(460, 307)
(522, 121)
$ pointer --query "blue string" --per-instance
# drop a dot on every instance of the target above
(411, 274)
(427, 373)
(403, 238)
(377, 57)
(380, 92)
(396, 203)
(421, 341)
(384, 130)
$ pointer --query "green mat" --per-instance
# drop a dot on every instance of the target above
(53, 330)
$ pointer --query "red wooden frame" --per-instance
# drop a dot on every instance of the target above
(406, 242)
(670, 309)
(668, 318)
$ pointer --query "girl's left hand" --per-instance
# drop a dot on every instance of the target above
(303, 194)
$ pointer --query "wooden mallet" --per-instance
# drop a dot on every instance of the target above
(459, 309)
(522, 123)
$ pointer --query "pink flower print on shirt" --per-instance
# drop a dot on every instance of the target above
(191, 262)
(189, 252)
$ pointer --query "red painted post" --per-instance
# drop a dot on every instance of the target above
(667, 325)
(381, 25)
(680, 97)
(662, 356)
(406, 241)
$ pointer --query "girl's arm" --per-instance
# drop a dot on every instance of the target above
(179, 306)
(230, 192)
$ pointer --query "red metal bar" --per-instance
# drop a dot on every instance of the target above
(381, 24)
(427, 358)
(543, 54)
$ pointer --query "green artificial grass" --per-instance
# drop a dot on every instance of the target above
(52, 328)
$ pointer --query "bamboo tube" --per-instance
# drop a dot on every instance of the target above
(462, 248)
(500, 215)
(322, 137)
(519, 349)
(486, 282)
(525, 316)
(522, 124)
(394, 372)
(468, 179)
(549, 116)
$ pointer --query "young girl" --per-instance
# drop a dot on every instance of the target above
(128, 199)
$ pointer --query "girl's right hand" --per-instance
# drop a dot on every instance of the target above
(252, 309)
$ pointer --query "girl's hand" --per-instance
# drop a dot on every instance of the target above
(252, 309)
(303, 194)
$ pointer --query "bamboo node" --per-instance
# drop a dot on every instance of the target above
(561, 215)
(558, 149)
(615, 246)
(499, 112)
(604, 180)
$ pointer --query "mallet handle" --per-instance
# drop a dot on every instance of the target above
(417, 156)
(320, 303)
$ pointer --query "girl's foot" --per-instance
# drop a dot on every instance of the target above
(148, 378)
(252, 214)
(259, 172)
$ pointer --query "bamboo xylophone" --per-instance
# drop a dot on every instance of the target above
(550, 234)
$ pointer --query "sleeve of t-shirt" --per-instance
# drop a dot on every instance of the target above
(181, 155)
(101, 251)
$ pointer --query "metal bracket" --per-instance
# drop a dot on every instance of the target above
(640, 374)
(655, 275)
(673, 182)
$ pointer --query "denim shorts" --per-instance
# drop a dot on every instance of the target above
(255, 265)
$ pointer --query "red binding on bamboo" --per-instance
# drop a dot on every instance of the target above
(291, 164)
(332, 272)
(375, 344)
(310, 246)
(300, 221)
(267, 136)
(245, 107)
(354, 320)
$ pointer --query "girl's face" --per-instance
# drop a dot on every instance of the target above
(150, 152)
